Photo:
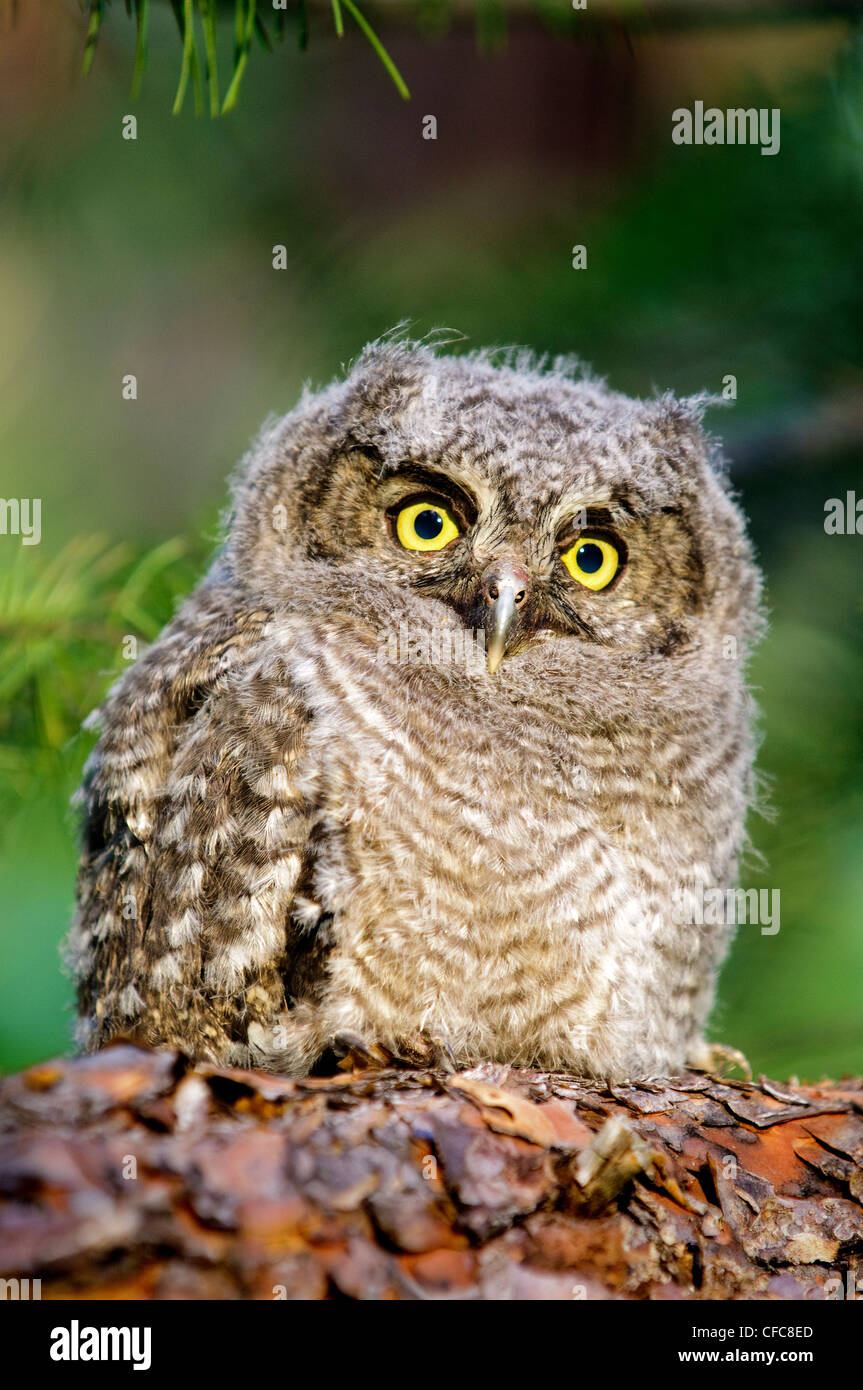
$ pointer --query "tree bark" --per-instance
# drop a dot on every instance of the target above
(132, 1174)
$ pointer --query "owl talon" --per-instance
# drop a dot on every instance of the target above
(718, 1057)
(444, 1057)
(427, 1050)
(358, 1054)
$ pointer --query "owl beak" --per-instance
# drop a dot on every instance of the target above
(505, 587)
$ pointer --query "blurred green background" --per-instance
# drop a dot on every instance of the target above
(154, 257)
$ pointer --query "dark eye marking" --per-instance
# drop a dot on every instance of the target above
(419, 482)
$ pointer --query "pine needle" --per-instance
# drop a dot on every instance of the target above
(263, 36)
(244, 33)
(208, 21)
(248, 22)
(142, 10)
(64, 622)
(362, 22)
(188, 32)
(97, 10)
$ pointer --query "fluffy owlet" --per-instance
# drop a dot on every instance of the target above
(430, 756)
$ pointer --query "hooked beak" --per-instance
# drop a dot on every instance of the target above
(505, 587)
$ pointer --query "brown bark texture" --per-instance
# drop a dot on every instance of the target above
(132, 1174)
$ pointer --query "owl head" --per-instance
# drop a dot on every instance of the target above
(498, 492)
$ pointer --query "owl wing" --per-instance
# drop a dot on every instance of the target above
(195, 842)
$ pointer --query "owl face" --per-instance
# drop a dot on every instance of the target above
(530, 504)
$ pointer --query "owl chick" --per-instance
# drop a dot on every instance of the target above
(434, 751)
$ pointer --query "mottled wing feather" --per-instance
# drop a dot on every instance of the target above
(195, 842)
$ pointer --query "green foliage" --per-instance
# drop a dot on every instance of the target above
(430, 17)
(63, 625)
(248, 24)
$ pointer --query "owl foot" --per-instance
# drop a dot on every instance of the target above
(427, 1050)
(411, 1050)
(358, 1055)
(717, 1057)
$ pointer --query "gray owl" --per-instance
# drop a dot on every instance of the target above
(430, 756)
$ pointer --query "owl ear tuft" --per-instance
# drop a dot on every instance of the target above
(394, 371)
(678, 424)
(390, 371)
(384, 370)
(684, 413)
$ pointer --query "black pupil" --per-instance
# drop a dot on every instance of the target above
(428, 524)
(589, 557)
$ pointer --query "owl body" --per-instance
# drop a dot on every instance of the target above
(333, 820)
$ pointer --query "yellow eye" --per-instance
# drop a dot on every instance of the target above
(425, 526)
(592, 561)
